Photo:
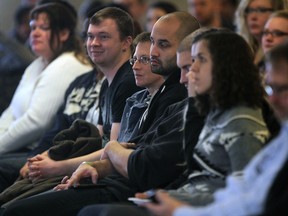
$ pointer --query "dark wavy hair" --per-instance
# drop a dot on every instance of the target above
(61, 17)
(235, 78)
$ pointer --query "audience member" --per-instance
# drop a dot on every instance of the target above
(228, 128)
(277, 22)
(250, 18)
(138, 102)
(53, 39)
(109, 44)
(87, 6)
(234, 129)
(260, 190)
(275, 30)
(207, 12)
(184, 60)
(21, 29)
(155, 11)
(137, 8)
(171, 91)
(227, 11)
(164, 137)
(81, 101)
(20, 32)
(14, 58)
(114, 63)
(15, 55)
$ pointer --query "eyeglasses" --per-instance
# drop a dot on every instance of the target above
(143, 60)
(275, 90)
(259, 10)
(275, 33)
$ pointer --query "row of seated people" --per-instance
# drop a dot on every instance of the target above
(206, 103)
(108, 150)
(15, 49)
(247, 13)
(212, 13)
(256, 190)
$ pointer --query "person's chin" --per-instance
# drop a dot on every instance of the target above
(156, 70)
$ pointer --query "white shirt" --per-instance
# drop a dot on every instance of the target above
(36, 100)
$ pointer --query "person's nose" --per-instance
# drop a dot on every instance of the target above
(194, 67)
(154, 50)
(95, 42)
(136, 65)
(183, 77)
(34, 32)
(268, 37)
(253, 15)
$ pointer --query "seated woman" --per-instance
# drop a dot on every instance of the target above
(250, 18)
(234, 130)
(275, 30)
(41, 90)
(228, 89)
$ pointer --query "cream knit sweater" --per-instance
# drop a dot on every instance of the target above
(37, 98)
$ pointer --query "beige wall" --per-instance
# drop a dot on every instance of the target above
(7, 8)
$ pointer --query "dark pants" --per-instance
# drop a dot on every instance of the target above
(10, 166)
(113, 210)
(61, 203)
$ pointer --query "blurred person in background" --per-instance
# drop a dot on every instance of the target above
(156, 10)
(275, 30)
(227, 11)
(14, 58)
(207, 12)
(250, 18)
(21, 29)
(15, 55)
(274, 33)
(137, 8)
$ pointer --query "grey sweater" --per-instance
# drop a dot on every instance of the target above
(226, 144)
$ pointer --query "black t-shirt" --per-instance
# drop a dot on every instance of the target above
(113, 97)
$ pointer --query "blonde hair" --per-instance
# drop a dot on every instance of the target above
(242, 27)
(279, 14)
